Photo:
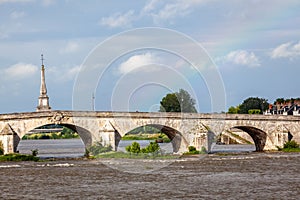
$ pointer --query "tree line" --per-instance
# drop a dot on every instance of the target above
(251, 105)
(182, 101)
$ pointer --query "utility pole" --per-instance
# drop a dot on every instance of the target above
(93, 102)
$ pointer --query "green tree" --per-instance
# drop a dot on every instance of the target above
(153, 147)
(170, 103)
(253, 103)
(178, 102)
(233, 110)
(135, 148)
(279, 101)
(128, 148)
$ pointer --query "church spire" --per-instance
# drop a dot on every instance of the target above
(43, 98)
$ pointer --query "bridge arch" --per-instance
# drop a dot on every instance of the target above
(258, 136)
(179, 143)
(84, 134)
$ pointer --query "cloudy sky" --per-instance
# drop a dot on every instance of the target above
(253, 45)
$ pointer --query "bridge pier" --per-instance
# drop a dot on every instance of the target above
(178, 144)
(9, 139)
(110, 138)
(276, 139)
(203, 140)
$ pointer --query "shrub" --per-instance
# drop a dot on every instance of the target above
(254, 111)
(34, 152)
(153, 148)
(98, 148)
(135, 148)
(291, 145)
(144, 150)
(44, 136)
(192, 148)
(128, 148)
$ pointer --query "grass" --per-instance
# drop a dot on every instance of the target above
(146, 136)
(290, 146)
(135, 156)
(54, 135)
(137, 137)
(291, 150)
(239, 137)
(18, 157)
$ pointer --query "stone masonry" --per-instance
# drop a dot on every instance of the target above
(185, 129)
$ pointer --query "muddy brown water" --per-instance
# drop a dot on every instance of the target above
(241, 176)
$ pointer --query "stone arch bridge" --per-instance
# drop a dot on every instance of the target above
(185, 129)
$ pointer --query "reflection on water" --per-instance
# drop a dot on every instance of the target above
(53, 148)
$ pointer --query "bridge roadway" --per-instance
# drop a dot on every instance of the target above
(184, 129)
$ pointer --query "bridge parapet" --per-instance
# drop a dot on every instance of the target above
(189, 129)
(109, 114)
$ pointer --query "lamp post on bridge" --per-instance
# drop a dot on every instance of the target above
(262, 106)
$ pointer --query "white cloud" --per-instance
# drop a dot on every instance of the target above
(171, 10)
(150, 6)
(137, 61)
(118, 20)
(69, 73)
(17, 14)
(159, 10)
(286, 50)
(71, 47)
(20, 71)
(242, 57)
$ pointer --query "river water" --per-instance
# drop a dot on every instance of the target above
(53, 148)
(75, 147)
(236, 176)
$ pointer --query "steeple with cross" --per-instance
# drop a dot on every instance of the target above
(42, 59)
(43, 104)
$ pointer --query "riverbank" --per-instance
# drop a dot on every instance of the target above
(145, 136)
(13, 157)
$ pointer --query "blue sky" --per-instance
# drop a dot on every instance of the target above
(254, 44)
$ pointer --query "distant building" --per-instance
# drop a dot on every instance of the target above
(284, 107)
